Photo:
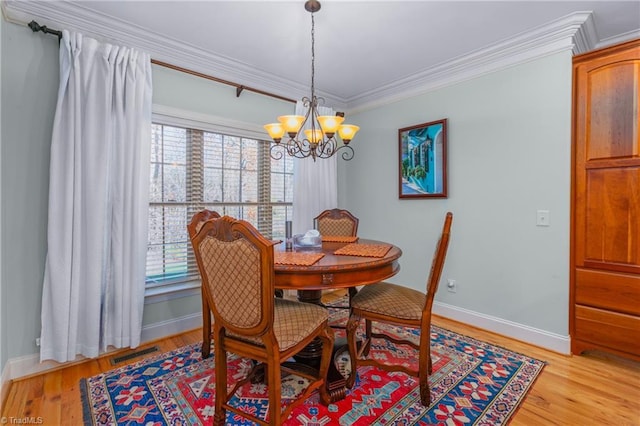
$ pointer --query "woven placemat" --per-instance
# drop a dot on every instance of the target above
(339, 239)
(367, 250)
(296, 258)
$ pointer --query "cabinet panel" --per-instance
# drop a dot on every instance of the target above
(612, 225)
(615, 330)
(612, 98)
(608, 290)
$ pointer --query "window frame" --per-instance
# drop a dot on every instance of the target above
(170, 116)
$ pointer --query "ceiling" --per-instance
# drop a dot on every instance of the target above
(366, 51)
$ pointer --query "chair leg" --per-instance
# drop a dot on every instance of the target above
(352, 327)
(206, 329)
(274, 385)
(352, 292)
(424, 368)
(220, 414)
(425, 392)
(367, 342)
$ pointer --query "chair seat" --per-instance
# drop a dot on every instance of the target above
(293, 321)
(390, 300)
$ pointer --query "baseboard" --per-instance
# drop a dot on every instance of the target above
(545, 339)
(4, 384)
(178, 325)
(30, 364)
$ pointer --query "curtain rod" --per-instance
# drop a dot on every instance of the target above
(239, 87)
(35, 27)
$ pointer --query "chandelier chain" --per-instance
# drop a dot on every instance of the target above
(313, 56)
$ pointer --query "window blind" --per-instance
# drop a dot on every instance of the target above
(193, 169)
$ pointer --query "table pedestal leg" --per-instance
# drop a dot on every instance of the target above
(310, 355)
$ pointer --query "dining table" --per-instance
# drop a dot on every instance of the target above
(338, 263)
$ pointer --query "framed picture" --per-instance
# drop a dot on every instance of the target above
(423, 160)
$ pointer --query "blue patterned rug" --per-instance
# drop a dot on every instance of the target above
(473, 383)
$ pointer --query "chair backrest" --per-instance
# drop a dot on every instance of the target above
(337, 223)
(198, 219)
(437, 263)
(236, 265)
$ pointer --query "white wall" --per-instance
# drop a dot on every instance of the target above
(509, 136)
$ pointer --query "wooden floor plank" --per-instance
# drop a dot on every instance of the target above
(593, 389)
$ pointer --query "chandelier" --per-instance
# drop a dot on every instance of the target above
(319, 139)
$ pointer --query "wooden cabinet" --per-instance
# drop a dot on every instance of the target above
(605, 244)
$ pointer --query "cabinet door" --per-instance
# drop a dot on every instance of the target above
(606, 205)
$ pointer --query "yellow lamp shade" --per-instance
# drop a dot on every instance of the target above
(347, 132)
(314, 136)
(275, 130)
(330, 123)
(291, 123)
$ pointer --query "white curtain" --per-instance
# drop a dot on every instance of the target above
(315, 186)
(93, 292)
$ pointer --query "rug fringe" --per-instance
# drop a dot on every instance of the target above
(87, 418)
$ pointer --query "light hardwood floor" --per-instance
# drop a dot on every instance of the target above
(593, 389)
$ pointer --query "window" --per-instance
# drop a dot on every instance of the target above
(193, 169)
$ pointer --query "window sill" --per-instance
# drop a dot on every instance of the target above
(171, 291)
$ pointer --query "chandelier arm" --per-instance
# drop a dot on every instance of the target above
(278, 149)
(348, 154)
(327, 148)
(309, 104)
(297, 149)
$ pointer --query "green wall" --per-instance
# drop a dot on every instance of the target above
(29, 79)
(29, 92)
(509, 155)
(509, 141)
(3, 319)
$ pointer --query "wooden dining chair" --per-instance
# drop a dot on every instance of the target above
(337, 223)
(237, 267)
(193, 227)
(394, 304)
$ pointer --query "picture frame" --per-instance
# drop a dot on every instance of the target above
(422, 165)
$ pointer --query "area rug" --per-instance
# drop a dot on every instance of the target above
(473, 383)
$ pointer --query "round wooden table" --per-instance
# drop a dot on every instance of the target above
(333, 272)
(337, 271)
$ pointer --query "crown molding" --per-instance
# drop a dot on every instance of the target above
(586, 36)
(73, 16)
(620, 38)
(556, 36)
(575, 32)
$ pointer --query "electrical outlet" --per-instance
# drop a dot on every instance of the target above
(37, 341)
(542, 218)
(452, 286)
